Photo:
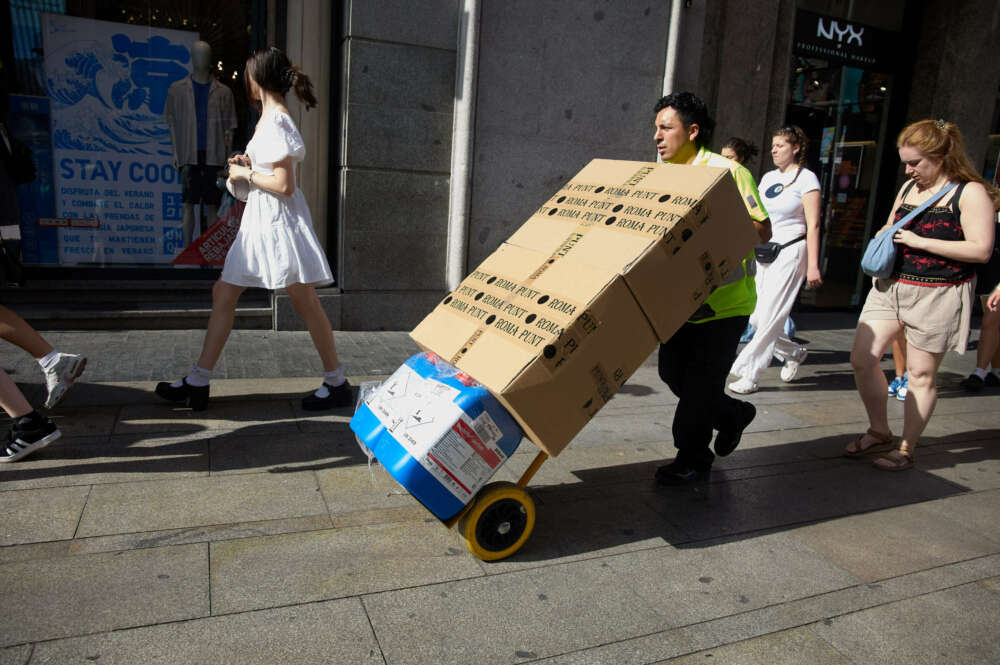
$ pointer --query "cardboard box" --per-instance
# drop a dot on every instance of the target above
(560, 316)
(675, 232)
(553, 340)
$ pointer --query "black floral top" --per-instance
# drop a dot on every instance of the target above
(915, 266)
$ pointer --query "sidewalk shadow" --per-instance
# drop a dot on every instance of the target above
(760, 490)
(164, 439)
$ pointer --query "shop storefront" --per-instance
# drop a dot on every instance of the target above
(129, 110)
(843, 80)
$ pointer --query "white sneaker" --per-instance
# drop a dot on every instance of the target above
(59, 379)
(743, 386)
(791, 368)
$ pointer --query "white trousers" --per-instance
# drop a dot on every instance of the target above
(778, 285)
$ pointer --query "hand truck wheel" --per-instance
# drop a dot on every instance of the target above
(499, 522)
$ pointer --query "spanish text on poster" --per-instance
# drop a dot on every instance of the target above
(118, 196)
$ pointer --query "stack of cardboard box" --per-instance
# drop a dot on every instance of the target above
(558, 318)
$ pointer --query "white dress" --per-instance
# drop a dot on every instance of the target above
(276, 245)
(778, 282)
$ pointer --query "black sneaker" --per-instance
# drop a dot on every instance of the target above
(195, 396)
(727, 440)
(992, 381)
(972, 383)
(679, 473)
(26, 435)
(339, 397)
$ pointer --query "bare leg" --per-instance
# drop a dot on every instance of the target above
(870, 340)
(922, 366)
(220, 322)
(306, 303)
(19, 332)
(899, 354)
(11, 398)
(989, 339)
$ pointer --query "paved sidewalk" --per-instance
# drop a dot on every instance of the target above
(256, 533)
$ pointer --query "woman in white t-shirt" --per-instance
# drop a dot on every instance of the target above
(792, 198)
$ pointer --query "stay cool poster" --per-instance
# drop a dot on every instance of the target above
(117, 194)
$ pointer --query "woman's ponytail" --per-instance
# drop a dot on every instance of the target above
(303, 87)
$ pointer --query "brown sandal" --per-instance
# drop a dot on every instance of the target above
(883, 443)
(897, 460)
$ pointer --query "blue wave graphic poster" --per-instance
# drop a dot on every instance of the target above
(117, 193)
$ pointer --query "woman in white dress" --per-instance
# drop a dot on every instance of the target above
(276, 247)
(791, 195)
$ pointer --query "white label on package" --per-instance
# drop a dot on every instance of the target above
(459, 451)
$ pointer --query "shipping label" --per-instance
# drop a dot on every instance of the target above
(462, 453)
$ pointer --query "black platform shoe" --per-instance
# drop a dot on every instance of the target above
(339, 397)
(195, 396)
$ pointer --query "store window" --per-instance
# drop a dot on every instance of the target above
(129, 110)
(842, 80)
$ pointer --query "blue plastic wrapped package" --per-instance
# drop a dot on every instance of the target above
(437, 431)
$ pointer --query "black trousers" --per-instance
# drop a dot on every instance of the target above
(695, 364)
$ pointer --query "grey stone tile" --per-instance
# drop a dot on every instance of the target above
(172, 504)
(992, 583)
(893, 542)
(256, 416)
(254, 573)
(401, 76)
(199, 534)
(952, 626)
(15, 655)
(724, 507)
(115, 459)
(334, 633)
(89, 421)
(390, 20)
(508, 618)
(770, 619)
(973, 465)
(789, 647)
(358, 488)
(695, 584)
(401, 138)
(394, 230)
(42, 514)
(976, 511)
(236, 452)
(101, 592)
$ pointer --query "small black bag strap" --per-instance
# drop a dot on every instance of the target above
(792, 242)
(906, 190)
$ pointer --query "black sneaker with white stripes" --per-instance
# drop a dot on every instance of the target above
(26, 435)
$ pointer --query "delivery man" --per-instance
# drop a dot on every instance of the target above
(695, 362)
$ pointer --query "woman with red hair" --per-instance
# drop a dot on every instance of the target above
(929, 295)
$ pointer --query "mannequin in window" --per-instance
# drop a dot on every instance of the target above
(200, 114)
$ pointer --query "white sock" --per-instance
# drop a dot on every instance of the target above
(334, 378)
(197, 378)
(980, 372)
(49, 360)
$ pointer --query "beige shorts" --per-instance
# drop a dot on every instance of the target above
(935, 318)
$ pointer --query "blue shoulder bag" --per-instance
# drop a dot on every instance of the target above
(880, 255)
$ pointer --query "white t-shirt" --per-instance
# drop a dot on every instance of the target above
(783, 200)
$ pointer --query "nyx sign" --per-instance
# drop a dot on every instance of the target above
(843, 42)
(832, 29)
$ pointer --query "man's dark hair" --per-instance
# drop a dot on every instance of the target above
(692, 111)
